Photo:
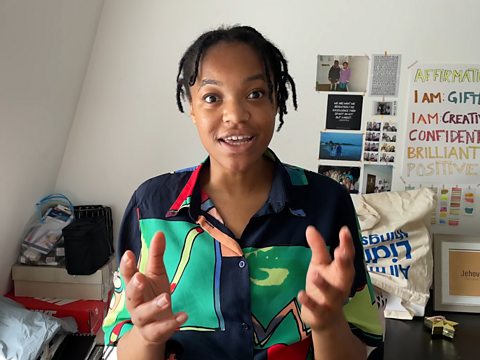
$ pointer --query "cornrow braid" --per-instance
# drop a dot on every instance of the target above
(275, 65)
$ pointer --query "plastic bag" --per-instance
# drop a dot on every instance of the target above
(43, 242)
(396, 238)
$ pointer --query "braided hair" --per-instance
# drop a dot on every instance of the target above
(275, 64)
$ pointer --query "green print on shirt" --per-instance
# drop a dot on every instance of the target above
(277, 274)
(189, 260)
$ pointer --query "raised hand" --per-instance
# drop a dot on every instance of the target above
(328, 281)
(148, 295)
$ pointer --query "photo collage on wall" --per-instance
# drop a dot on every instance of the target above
(358, 144)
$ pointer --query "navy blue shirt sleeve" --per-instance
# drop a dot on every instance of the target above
(129, 237)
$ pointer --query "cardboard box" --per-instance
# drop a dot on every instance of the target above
(55, 282)
(88, 314)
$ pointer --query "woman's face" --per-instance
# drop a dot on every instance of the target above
(231, 107)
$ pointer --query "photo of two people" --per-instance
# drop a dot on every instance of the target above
(339, 77)
(342, 73)
(340, 146)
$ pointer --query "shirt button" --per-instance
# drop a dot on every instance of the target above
(242, 264)
(245, 327)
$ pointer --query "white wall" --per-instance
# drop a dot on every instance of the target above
(44, 52)
(127, 127)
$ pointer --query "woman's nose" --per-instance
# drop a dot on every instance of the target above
(235, 111)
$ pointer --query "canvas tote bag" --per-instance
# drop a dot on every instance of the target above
(396, 238)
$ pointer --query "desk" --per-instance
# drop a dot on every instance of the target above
(409, 339)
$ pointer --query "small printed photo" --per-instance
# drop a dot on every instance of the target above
(389, 137)
(388, 147)
(373, 126)
(388, 108)
(372, 136)
(348, 176)
(387, 158)
(371, 146)
(376, 178)
(389, 127)
(340, 146)
(342, 73)
(370, 156)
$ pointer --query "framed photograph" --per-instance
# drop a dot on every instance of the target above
(456, 273)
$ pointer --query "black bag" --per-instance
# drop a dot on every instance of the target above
(88, 239)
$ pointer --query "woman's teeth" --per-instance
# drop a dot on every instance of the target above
(237, 140)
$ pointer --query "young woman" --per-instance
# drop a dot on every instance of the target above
(345, 74)
(241, 257)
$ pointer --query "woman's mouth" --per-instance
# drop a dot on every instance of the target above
(236, 139)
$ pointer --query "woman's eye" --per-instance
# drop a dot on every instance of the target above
(256, 94)
(210, 99)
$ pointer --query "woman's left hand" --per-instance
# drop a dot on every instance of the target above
(328, 281)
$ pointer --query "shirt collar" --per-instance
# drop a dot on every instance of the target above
(285, 178)
(282, 194)
(184, 199)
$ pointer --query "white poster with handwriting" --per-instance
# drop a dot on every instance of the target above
(443, 125)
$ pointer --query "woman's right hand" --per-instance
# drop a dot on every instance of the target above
(148, 295)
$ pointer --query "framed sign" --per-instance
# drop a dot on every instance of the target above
(456, 273)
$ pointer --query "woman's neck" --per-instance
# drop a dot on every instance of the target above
(238, 195)
(220, 180)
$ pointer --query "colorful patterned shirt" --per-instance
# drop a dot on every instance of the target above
(241, 294)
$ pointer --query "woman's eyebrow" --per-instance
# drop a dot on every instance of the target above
(210, 82)
(259, 76)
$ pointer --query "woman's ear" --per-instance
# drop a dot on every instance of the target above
(192, 114)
